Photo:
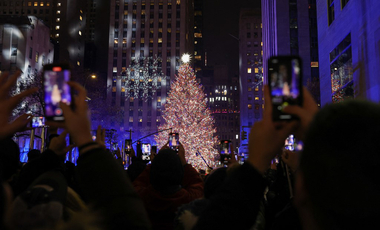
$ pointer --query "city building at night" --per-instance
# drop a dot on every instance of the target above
(251, 71)
(199, 58)
(140, 30)
(24, 44)
(66, 20)
(290, 28)
(349, 49)
(222, 95)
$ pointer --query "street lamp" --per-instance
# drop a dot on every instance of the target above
(93, 76)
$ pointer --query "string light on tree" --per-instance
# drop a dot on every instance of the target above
(186, 113)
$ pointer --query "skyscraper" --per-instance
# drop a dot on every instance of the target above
(289, 28)
(161, 29)
(66, 20)
(251, 71)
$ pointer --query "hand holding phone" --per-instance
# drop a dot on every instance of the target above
(285, 82)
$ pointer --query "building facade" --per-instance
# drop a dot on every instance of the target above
(290, 28)
(251, 71)
(349, 49)
(159, 30)
(25, 45)
(66, 20)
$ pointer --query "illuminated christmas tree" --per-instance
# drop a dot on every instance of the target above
(186, 113)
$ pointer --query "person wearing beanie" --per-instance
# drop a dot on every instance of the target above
(166, 184)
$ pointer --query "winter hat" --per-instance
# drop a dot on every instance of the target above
(41, 205)
(166, 170)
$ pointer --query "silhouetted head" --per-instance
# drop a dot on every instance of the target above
(166, 171)
(33, 154)
(9, 158)
(340, 166)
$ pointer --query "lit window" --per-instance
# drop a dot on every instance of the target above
(29, 3)
(114, 69)
(256, 98)
(256, 70)
(261, 43)
(57, 27)
(237, 136)
(48, 4)
(195, 42)
(249, 70)
(256, 89)
(249, 89)
(80, 33)
(78, 63)
(160, 40)
(140, 120)
(35, 3)
(37, 55)
(130, 119)
(58, 19)
(249, 106)
(58, 12)
(116, 41)
(124, 41)
(56, 35)
(58, 4)
(41, 4)
(159, 99)
(80, 18)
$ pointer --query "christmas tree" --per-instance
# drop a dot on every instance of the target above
(186, 113)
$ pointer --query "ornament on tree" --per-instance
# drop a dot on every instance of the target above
(186, 113)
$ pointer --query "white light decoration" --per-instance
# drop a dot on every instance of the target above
(186, 58)
(141, 77)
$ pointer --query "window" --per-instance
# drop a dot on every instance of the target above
(35, 4)
(249, 106)
(344, 3)
(331, 12)
(37, 56)
(58, 12)
(58, 4)
(342, 71)
(256, 70)
(249, 70)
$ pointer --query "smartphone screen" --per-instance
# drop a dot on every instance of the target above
(128, 145)
(174, 141)
(56, 90)
(37, 122)
(290, 143)
(146, 151)
(225, 147)
(285, 82)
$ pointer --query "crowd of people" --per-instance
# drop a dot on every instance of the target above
(332, 184)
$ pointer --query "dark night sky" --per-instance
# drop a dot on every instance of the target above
(221, 18)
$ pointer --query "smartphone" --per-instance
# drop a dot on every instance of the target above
(128, 145)
(154, 149)
(225, 147)
(290, 143)
(145, 151)
(56, 90)
(225, 153)
(37, 122)
(174, 141)
(285, 83)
